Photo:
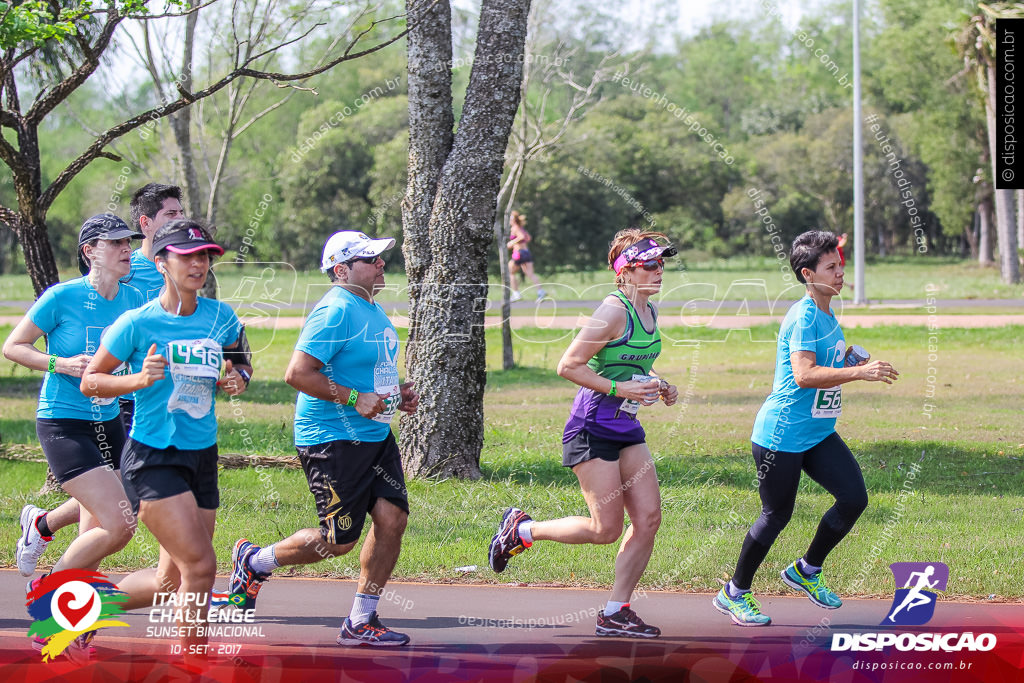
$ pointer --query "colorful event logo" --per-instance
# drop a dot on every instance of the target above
(70, 603)
(914, 603)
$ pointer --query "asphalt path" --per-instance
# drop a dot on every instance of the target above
(513, 632)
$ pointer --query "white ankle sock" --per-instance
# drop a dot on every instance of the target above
(524, 529)
(264, 561)
(612, 607)
(362, 607)
(733, 591)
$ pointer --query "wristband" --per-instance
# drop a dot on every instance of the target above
(246, 377)
(52, 368)
(352, 396)
(612, 392)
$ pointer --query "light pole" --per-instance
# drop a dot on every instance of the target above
(859, 294)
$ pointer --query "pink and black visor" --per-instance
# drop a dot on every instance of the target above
(187, 239)
(641, 251)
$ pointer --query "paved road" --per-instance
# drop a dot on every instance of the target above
(516, 633)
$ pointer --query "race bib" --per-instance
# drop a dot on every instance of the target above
(194, 365)
(827, 402)
(630, 406)
(121, 369)
(385, 375)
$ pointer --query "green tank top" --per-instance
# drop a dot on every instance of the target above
(633, 353)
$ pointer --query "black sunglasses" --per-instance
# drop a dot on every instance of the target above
(371, 260)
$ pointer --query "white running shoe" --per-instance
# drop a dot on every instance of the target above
(31, 544)
(515, 296)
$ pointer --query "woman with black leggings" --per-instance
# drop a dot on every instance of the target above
(795, 431)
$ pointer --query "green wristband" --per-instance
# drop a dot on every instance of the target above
(612, 392)
(352, 396)
(52, 368)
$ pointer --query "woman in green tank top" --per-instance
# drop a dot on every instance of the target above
(612, 360)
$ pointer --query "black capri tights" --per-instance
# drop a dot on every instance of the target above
(831, 464)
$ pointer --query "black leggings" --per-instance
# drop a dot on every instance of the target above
(831, 464)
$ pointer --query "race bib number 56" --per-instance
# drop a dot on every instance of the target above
(828, 402)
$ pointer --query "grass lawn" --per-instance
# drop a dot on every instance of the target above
(964, 507)
(893, 278)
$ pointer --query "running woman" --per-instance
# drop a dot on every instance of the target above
(81, 437)
(345, 369)
(178, 345)
(604, 443)
(795, 431)
(152, 206)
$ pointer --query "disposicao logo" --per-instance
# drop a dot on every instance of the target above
(70, 603)
(914, 603)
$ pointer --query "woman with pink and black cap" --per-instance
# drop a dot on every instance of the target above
(604, 443)
(178, 345)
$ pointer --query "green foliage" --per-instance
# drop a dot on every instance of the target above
(34, 22)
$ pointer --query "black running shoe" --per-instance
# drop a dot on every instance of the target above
(507, 543)
(626, 623)
(372, 633)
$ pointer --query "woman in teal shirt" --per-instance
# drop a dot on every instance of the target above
(795, 431)
(81, 437)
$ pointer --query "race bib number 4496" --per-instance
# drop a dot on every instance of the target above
(195, 368)
(827, 402)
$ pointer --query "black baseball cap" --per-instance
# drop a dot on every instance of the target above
(103, 226)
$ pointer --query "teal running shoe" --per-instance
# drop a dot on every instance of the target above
(813, 585)
(744, 610)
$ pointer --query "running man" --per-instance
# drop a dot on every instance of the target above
(915, 597)
(81, 437)
(604, 443)
(345, 369)
(795, 431)
(178, 344)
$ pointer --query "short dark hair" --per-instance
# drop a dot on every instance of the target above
(150, 198)
(808, 249)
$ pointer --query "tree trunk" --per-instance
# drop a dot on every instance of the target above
(985, 232)
(1007, 235)
(448, 268)
(1020, 218)
(430, 88)
(39, 259)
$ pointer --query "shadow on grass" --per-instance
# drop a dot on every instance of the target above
(20, 387)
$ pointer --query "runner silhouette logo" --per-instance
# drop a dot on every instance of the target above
(914, 603)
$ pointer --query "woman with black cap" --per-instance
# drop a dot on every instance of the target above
(178, 344)
(612, 360)
(81, 437)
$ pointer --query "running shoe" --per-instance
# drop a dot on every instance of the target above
(626, 623)
(541, 294)
(514, 296)
(31, 544)
(744, 610)
(80, 650)
(31, 586)
(813, 585)
(372, 633)
(507, 543)
(245, 583)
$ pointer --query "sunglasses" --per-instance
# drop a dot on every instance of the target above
(649, 264)
(371, 260)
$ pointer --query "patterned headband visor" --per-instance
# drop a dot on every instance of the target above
(643, 250)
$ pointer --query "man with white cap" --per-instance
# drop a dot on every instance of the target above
(345, 369)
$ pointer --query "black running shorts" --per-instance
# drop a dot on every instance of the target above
(158, 473)
(346, 478)
(73, 447)
(585, 446)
